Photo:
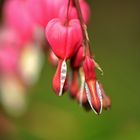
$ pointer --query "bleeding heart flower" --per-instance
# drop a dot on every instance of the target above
(60, 84)
(64, 38)
(92, 87)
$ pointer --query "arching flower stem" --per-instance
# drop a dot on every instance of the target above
(83, 27)
(86, 40)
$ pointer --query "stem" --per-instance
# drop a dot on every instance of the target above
(68, 10)
(83, 27)
(86, 44)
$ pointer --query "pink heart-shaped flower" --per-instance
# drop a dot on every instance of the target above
(64, 38)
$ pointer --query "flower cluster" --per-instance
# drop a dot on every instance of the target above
(68, 39)
(26, 24)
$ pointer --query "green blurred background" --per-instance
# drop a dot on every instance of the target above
(115, 34)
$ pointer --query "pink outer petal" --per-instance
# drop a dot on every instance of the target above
(64, 39)
(78, 58)
(89, 69)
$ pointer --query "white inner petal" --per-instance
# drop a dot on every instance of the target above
(99, 94)
(82, 89)
(63, 75)
(89, 97)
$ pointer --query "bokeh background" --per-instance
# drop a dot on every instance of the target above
(114, 32)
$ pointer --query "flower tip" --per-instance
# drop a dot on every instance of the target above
(94, 96)
(97, 108)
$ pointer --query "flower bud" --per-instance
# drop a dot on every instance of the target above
(89, 69)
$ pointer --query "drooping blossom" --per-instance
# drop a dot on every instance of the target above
(93, 90)
(64, 38)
